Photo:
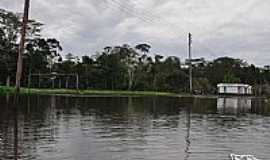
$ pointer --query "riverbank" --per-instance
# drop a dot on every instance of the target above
(11, 90)
(111, 93)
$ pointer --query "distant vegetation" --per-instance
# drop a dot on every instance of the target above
(122, 67)
(11, 90)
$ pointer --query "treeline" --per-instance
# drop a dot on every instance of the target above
(122, 67)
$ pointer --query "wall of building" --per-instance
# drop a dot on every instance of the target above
(234, 90)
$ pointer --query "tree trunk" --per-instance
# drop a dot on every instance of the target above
(8, 81)
(67, 83)
(60, 83)
(39, 79)
(29, 79)
(53, 83)
(154, 82)
(77, 81)
(87, 83)
(130, 79)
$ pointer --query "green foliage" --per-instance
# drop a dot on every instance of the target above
(230, 78)
(145, 48)
(40, 52)
(5, 90)
(203, 86)
(123, 67)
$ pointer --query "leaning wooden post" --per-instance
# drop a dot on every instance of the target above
(21, 46)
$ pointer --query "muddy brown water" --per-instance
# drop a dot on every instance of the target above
(133, 128)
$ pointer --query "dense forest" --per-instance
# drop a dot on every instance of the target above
(123, 67)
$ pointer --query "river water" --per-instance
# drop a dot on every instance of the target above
(133, 128)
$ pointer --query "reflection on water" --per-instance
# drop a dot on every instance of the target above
(150, 128)
(187, 152)
(234, 105)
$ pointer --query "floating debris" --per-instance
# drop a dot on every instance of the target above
(243, 157)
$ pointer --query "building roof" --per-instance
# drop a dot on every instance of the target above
(233, 85)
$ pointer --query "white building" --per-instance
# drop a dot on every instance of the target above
(234, 88)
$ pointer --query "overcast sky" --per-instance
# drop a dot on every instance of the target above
(237, 28)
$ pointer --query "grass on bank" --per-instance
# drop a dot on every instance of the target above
(5, 90)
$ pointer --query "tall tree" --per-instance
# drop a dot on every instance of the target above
(9, 33)
(41, 54)
(130, 60)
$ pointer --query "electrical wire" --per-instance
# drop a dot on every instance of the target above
(142, 18)
(150, 20)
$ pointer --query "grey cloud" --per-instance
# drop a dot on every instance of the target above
(220, 28)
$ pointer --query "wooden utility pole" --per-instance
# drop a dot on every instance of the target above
(190, 62)
(21, 46)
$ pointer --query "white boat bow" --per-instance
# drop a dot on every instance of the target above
(243, 157)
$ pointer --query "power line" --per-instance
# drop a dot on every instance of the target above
(178, 34)
(194, 25)
(128, 10)
(149, 18)
(153, 22)
(148, 21)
